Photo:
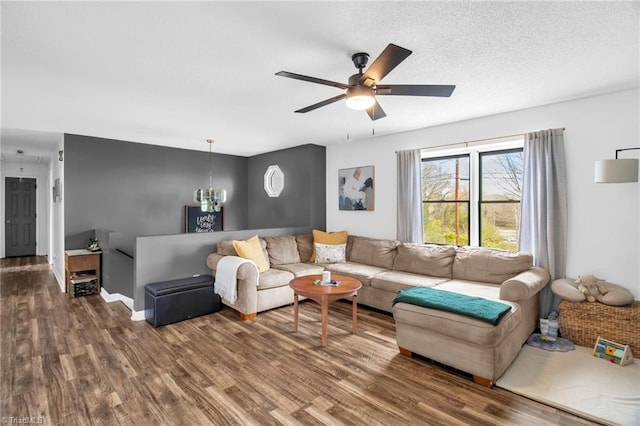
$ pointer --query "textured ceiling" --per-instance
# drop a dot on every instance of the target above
(175, 74)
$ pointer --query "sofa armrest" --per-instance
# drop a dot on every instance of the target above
(246, 271)
(212, 261)
(524, 285)
(247, 276)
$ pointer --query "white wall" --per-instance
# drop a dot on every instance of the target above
(604, 219)
(41, 174)
(56, 217)
(50, 223)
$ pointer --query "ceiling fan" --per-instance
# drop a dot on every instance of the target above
(363, 88)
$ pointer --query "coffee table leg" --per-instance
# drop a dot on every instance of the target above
(295, 312)
(354, 323)
(325, 315)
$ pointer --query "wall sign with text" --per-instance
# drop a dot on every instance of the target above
(195, 220)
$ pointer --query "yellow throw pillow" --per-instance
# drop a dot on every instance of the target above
(252, 250)
(332, 238)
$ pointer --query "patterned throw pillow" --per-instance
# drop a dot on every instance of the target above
(338, 237)
(330, 253)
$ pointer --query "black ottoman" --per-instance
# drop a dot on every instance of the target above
(172, 301)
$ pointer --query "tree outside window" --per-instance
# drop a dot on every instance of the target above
(451, 184)
(500, 193)
(445, 200)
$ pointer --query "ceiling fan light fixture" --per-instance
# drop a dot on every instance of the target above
(360, 97)
(363, 87)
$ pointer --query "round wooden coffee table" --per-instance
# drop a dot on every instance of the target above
(324, 294)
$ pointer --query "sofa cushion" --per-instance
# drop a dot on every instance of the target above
(282, 250)
(350, 239)
(360, 271)
(305, 247)
(489, 265)
(274, 278)
(472, 288)
(373, 251)
(253, 249)
(301, 269)
(425, 259)
(225, 248)
(339, 237)
(394, 281)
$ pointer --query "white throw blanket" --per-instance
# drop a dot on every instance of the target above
(226, 272)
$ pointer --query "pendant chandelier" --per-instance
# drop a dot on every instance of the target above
(210, 199)
(20, 155)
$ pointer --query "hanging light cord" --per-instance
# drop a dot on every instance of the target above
(210, 164)
(20, 157)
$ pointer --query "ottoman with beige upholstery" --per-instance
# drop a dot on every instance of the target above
(471, 345)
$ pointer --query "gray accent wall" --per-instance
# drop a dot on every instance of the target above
(132, 197)
(303, 199)
(139, 189)
(116, 262)
(170, 257)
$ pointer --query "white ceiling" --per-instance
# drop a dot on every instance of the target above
(175, 74)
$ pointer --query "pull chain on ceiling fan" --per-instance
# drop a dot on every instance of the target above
(362, 89)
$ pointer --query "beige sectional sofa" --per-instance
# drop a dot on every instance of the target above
(288, 257)
(386, 266)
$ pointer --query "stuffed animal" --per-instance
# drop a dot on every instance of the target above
(591, 286)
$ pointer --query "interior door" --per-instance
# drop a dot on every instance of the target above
(20, 217)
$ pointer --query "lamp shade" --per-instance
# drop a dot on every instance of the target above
(617, 171)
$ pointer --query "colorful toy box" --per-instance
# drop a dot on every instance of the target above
(612, 352)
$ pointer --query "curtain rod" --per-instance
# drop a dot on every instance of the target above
(474, 141)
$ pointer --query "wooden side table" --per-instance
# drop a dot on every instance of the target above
(323, 295)
(82, 270)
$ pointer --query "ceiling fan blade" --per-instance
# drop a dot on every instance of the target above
(415, 90)
(323, 103)
(312, 79)
(390, 57)
(375, 111)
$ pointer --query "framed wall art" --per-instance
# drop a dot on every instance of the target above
(195, 220)
(356, 188)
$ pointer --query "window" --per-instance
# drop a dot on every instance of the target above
(472, 196)
(445, 199)
(499, 203)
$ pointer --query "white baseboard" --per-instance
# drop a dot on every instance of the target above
(137, 316)
(61, 280)
(115, 297)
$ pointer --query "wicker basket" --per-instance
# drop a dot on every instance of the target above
(583, 322)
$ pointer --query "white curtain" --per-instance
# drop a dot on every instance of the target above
(409, 222)
(543, 226)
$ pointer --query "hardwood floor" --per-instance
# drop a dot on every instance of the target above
(83, 361)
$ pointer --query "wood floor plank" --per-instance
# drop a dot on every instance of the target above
(231, 411)
(83, 361)
(68, 367)
(284, 418)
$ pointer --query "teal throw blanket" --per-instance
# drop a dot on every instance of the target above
(471, 306)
